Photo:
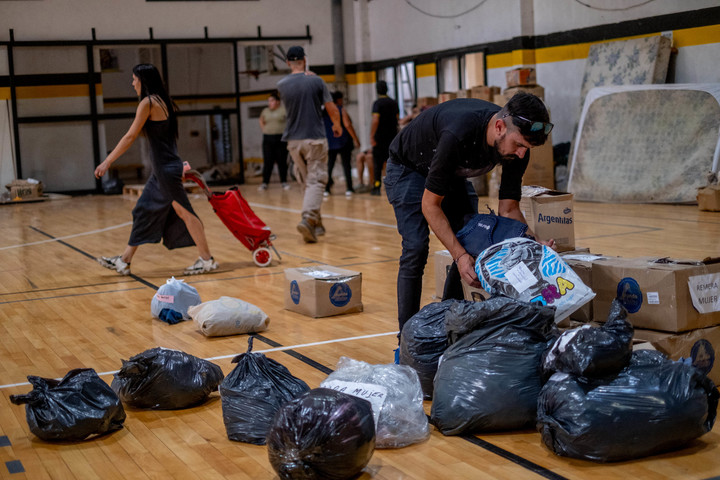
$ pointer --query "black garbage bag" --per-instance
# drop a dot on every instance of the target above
(490, 378)
(464, 316)
(593, 351)
(166, 379)
(654, 405)
(423, 341)
(71, 409)
(323, 434)
(253, 392)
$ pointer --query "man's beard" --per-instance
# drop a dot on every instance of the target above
(503, 158)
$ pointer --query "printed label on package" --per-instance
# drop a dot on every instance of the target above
(653, 298)
(340, 294)
(629, 294)
(375, 394)
(705, 292)
(295, 292)
(521, 277)
(703, 356)
(165, 298)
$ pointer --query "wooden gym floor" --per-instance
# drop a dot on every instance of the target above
(60, 310)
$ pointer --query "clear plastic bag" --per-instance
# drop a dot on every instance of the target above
(175, 295)
(228, 316)
(71, 409)
(166, 379)
(526, 270)
(395, 394)
(323, 434)
(253, 392)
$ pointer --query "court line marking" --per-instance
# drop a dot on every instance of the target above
(336, 217)
(222, 357)
(56, 239)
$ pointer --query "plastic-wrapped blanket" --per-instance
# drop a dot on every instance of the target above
(490, 378)
(654, 405)
(166, 379)
(423, 342)
(72, 409)
(253, 392)
(526, 270)
(323, 434)
(395, 395)
(593, 351)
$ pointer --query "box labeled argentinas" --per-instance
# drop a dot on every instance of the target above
(549, 214)
(659, 293)
(323, 291)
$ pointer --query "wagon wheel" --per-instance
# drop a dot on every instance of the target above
(262, 257)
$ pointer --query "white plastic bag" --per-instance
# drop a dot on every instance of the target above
(526, 270)
(175, 295)
(395, 395)
(228, 316)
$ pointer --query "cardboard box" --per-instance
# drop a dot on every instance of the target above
(581, 260)
(541, 167)
(536, 90)
(659, 294)
(484, 93)
(520, 76)
(465, 93)
(443, 261)
(701, 346)
(426, 102)
(323, 291)
(445, 96)
(549, 214)
(708, 198)
(25, 189)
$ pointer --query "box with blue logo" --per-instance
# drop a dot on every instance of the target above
(323, 291)
(659, 293)
(549, 214)
(699, 347)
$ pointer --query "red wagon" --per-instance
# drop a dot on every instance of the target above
(238, 217)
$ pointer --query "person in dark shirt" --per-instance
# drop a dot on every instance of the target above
(383, 128)
(429, 163)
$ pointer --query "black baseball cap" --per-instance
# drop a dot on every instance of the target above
(295, 53)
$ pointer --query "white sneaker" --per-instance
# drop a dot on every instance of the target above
(201, 266)
(286, 186)
(348, 193)
(262, 187)
(326, 193)
(115, 263)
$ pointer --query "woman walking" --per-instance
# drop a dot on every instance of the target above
(272, 123)
(163, 211)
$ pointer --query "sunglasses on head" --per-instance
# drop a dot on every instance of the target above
(545, 127)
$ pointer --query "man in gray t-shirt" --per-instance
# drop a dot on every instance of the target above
(304, 95)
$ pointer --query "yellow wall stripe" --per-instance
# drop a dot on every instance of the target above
(681, 38)
(4, 93)
(426, 70)
(689, 37)
(54, 91)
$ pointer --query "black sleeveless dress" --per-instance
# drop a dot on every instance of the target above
(153, 216)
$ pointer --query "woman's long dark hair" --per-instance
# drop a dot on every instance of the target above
(151, 83)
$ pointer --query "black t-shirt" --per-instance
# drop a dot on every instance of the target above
(387, 128)
(449, 141)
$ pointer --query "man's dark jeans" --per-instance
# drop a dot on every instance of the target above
(405, 188)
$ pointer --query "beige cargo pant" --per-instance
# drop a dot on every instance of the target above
(310, 158)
